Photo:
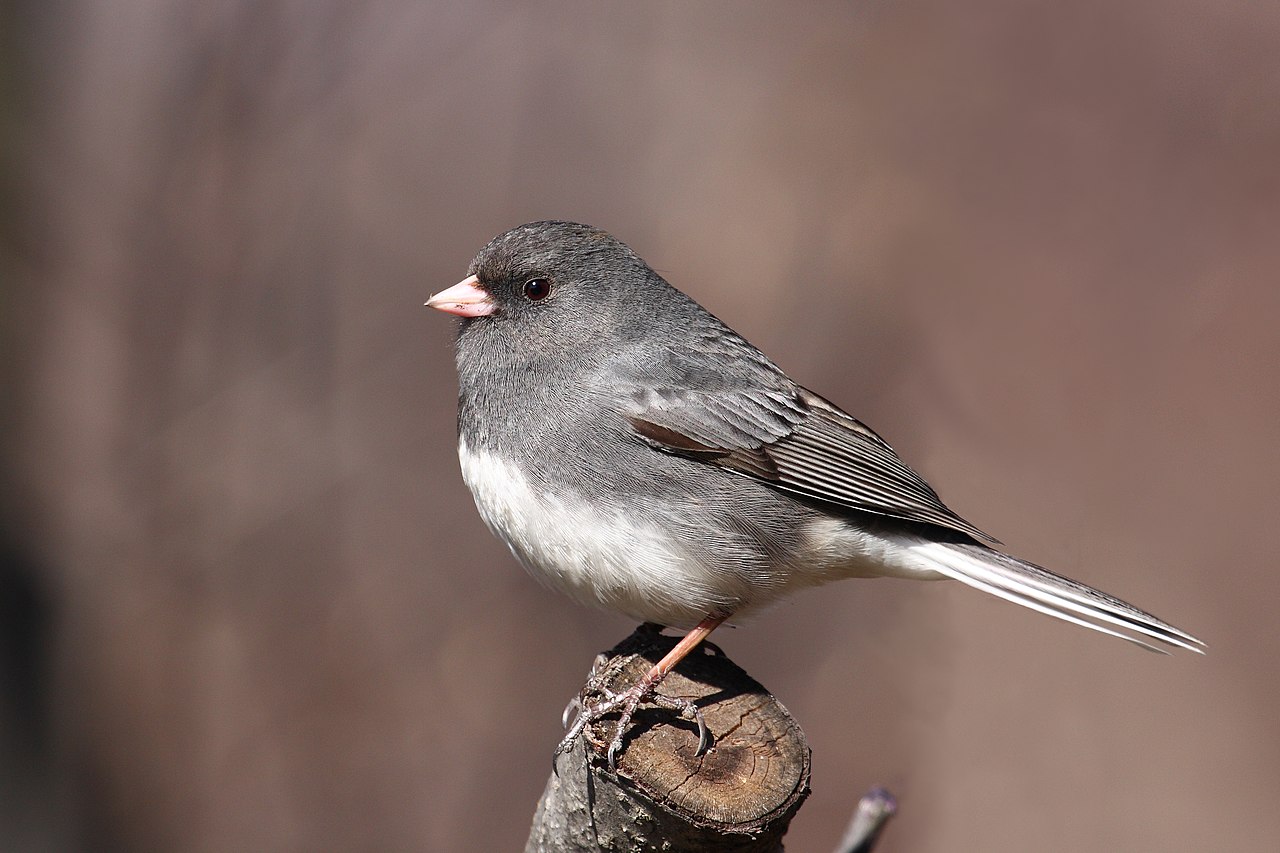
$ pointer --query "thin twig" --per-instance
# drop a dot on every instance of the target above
(869, 820)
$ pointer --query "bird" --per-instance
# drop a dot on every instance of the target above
(637, 454)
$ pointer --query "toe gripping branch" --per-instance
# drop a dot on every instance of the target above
(584, 714)
(598, 699)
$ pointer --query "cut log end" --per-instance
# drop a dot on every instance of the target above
(758, 766)
(740, 795)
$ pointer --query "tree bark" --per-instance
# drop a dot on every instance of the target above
(739, 796)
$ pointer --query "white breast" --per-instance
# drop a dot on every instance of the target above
(596, 557)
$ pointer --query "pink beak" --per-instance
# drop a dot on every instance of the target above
(465, 299)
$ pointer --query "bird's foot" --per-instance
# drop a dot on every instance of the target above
(624, 703)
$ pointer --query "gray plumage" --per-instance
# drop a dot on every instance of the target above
(636, 453)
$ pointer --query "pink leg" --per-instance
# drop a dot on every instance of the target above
(687, 644)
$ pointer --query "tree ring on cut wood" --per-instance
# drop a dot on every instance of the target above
(757, 770)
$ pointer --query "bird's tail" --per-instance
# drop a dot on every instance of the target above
(1040, 589)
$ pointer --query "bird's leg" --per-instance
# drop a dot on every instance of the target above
(628, 700)
(648, 630)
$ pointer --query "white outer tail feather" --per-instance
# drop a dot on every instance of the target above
(1041, 590)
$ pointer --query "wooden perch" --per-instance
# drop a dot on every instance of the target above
(739, 796)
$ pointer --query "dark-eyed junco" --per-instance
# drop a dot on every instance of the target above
(637, 454)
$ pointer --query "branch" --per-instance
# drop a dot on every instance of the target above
(739, 796)
(869, 819)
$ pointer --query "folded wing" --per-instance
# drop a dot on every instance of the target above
(797, 442)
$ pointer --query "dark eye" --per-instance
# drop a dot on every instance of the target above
(537, 289)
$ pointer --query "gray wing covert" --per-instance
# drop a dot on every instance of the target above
(795, 441)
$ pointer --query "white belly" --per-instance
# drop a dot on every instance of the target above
(598, 558)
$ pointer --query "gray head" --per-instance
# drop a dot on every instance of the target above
(547, 292)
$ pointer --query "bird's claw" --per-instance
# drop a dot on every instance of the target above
(613, 752)
(570, 711)
(692, 714)
(625, 705)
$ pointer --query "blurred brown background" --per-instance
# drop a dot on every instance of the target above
(245, 600)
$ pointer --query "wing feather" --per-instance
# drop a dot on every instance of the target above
(797, 442)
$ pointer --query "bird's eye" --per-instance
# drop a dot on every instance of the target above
(537, 289)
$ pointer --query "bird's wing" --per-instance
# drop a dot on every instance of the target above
(795, 441)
